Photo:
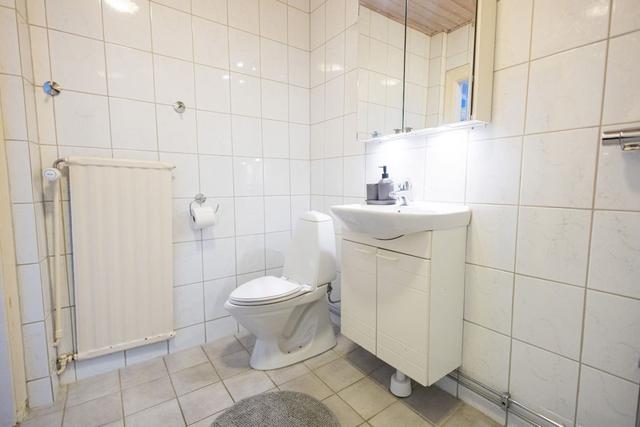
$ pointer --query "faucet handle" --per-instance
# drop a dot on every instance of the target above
(405, 186)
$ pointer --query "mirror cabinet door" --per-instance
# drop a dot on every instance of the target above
(439, 62)
(381, 45)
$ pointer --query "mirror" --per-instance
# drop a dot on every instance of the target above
(443, 77)
(380, 66)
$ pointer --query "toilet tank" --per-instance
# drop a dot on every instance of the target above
(311, 257)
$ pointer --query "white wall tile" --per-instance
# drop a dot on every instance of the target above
(173, 80)
(273, 60)
(619, 101)
(129, 73)
(273, 20)
(299, 70)
(219, 328)
(276, 177)
(275, 138)
(485, 356)
(354, 176)
(513, 31)
(225, 221)
(75, 16)
(40, 392)
(216, 293)
(216, 10)
(547, 382)
(250, 253)
(35, 350)
(245, 94)
(210, 43)
(491, 236)
(275, 102)
(605, 400)
(276, 245)
(133, 124)
(19, 168)
(216, 176)
(244, 52)
(214, 133)
(548, 315)
(244, 14)
(136, 19)
(9, 50)
(611, 341)
(82, 120)
(187, 262)
(31, 301)
(618, 180)
(212, 89)
(493, 174)
(247, 136)
(445, 168)
(615, 249)
(248, 176)
(558, 168)
(299, 105)
(182, 229)
(567, 88)
(298, 28)
(488, 294)
(300, 177)
(171, 31)
(219, 258)
(588, 18)
(277, 214)
(553, 244)
(625, 16)
(250, 214)
(185, 174)
(187, 337)
(188, 305)
(176, 131)
(12, 102)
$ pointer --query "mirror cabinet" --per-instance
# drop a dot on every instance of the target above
(423, 64)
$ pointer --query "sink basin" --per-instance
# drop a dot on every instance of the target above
(388, 222)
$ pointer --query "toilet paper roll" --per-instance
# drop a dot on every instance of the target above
(202, 216)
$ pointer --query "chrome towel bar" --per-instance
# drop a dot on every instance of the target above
(627, 139)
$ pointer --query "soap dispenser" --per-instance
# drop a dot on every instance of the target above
(385, 185)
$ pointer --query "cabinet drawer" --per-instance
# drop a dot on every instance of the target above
(403, 270)
(358, 293)
(416, 244)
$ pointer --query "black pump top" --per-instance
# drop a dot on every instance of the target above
(384, 172)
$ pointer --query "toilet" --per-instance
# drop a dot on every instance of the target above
(289, 315)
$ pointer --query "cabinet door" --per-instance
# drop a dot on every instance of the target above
(358, 293)
(403, 312)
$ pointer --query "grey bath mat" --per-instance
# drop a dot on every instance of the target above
(278, 409)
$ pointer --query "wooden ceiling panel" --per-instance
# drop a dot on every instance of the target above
(428, 16)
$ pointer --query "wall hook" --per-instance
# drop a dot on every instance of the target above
(51, 88)
(179, 107)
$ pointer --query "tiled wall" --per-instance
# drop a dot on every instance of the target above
(552, 309)
(242, 69)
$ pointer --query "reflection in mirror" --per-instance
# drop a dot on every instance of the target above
(380, 67)
(440, 43)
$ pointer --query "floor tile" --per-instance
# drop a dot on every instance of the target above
(248, 384)
(432, 403)
(321, 359)
(382, 375)
(92, 388)
(248, 341)
(366, 397)
(146, 395)
(344, 345)
(468, 416)
(166, 414)
(185, 359)
(194, 378)
(204, 402)
(232, 364)
(286, 374)
(338, 374)
(398, 414)
(119, 423)
(97, 412)
(141, 373)
(363, 360)
(343, 412)
(309, 384)
(207, 421)
(222, 347)
(53, 419)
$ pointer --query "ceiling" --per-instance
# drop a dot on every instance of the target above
(428, 16)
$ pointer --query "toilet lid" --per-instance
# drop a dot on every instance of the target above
(264, 289)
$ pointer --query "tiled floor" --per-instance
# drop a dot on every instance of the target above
(193, 386)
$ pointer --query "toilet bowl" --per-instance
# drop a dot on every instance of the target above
(289, 315)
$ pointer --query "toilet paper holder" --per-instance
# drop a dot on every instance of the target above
(200, 199)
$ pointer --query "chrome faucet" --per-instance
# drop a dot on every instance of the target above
(403, 193)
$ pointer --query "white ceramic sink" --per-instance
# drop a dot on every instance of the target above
(388, 222)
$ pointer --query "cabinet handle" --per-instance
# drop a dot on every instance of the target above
(362, 251)
(388, 258)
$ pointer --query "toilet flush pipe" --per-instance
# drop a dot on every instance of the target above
(53, 175)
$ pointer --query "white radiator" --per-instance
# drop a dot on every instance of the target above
(122, 253)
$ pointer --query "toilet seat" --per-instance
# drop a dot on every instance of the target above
(266, 290)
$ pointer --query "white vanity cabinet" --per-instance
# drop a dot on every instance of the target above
(402, 299)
